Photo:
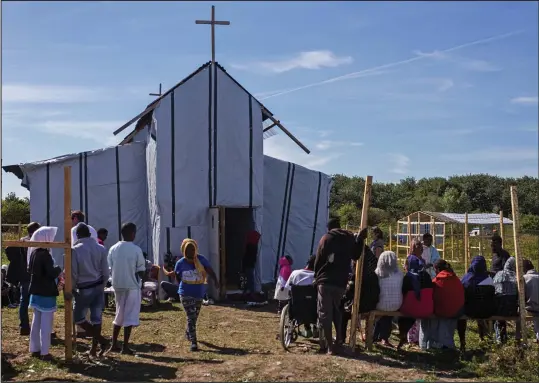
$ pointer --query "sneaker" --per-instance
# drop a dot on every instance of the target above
(25, 331)
(194, 347)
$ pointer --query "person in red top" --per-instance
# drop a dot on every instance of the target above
(448, 297)
(102, 235)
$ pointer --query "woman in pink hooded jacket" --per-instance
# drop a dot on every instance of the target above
(285, 269)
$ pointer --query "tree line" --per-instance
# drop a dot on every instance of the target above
(474, 193)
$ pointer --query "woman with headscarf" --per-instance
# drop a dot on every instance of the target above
(285, 269)
(43, 292)
(417, 290)
(448, 299)
(479, 300)
(192, 271)
(377, 245)
(505, 286)
(390, 282)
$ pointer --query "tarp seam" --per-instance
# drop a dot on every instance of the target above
(86, 187)
(214, 134)
(250, 151)
(48, 195)
(316, 211)
(282, 219)
(288, 208)
(172, 158)
(209, 139)
(80, 181)
(168, 239)
(118, 195)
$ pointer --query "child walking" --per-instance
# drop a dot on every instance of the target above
(285, 269)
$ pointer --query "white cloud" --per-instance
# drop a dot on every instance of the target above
(283, 148)
(525, 100)
(49, 94)
(400, 163)
(326, 144)
(303, 60)
(98, 131)
(494, 154)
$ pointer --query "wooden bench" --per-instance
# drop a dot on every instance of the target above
(372, 315)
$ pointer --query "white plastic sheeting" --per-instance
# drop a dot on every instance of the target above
(477, 218)
(109, 185)
(295, 211)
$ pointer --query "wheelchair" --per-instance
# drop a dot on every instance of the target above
(301, 310)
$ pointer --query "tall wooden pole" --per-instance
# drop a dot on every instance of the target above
(360, 263)
(520, 266)
(390, 238)
(501, 224)
(67, 266)
(409, 229)
(452, 243)
(466, 240)
(443, 241)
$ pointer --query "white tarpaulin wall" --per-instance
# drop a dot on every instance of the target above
(296, 203)
(99, 179)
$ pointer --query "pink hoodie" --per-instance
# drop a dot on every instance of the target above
(285, 268)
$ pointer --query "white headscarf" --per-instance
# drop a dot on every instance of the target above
(387, 264)
(43, 234)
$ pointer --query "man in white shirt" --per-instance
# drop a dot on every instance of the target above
(303, 277)
(77, 217)
(128, 266)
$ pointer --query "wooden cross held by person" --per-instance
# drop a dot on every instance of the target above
(213, 23)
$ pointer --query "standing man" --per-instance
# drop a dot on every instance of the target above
(90, 273)
(430, 254)
(128, 267)
(17, 273)
(249, 261)
(499, 255)
(102, 235)
(336, 250)
(78, 217)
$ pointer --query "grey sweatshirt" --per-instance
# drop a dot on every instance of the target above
(531, 279)
(88, 263)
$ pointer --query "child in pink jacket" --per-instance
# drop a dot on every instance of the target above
(285, 269)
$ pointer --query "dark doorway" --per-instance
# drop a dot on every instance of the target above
(238, 222)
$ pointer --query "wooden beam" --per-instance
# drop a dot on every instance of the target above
(452, 243)
(360, 263)
(268, 127)
(290, 135)
(520, 265)
(501, 224)
(409, 238)
(44, 245)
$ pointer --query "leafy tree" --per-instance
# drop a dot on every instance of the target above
(15, 210)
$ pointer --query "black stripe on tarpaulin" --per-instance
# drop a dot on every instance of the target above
(172, 159)
(86, 213)
(250, 151)
(48, 195)
(214, 134)
(118, 195)
(316, 212)
(288, 208)
(189, 232)
(209, 139)
(80, 181)
(168, 240)
(282, 219)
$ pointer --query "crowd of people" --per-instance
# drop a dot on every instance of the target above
(428, 294)
(430, 297)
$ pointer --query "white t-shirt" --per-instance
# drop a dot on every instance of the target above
(300, 278)
(74, 238)
(125, 260)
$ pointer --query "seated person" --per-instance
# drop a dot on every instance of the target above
(390, 282)
(531, 280)
(448, 299)
(417, 291)
(170, 287)
(479, 299)
(304, 277)
(505, 286)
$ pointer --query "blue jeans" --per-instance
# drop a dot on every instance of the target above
(23, 307)
(500, 328)
(92, 299)
(250, 276)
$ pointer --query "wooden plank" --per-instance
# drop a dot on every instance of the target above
(501, 224)
(520, 265)
(359, 264)
(378, 313)
(68, 288)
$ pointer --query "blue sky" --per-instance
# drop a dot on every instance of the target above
(383, 88)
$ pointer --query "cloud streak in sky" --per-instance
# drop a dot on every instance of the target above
(370, 71)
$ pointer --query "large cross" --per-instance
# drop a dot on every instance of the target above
(213, 23)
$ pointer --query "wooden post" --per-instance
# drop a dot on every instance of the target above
(466, 239)
(452, 243)
(67, 267)
(520, 266)
(390, 238)
(418, 224)
(359, 264)
(501, 224)
(443, 241)
(409, 238)
(20, 230)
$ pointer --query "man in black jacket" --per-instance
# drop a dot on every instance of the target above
(332, 266)
(17, 273)
(499, 255)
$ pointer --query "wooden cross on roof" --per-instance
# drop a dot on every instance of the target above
(213, 23)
